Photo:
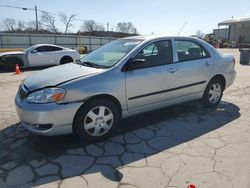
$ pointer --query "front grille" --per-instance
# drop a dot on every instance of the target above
(22, 92)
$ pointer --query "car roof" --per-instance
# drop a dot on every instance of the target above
(152, 37)
(147, 38)
(38, 45)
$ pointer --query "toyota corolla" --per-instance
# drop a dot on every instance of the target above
(123, 78)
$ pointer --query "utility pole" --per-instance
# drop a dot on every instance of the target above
(108, 26)
(36, 18)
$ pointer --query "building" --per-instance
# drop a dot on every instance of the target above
(221, 34)
(238, 30)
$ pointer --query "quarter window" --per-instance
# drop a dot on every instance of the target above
(188, 50)
(42, 49)
(155, 54)
(54, 48)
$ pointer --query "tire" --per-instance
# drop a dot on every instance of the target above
(96, 120)
(9, 67)
(10, 63)
(66, 59)
(213, 93)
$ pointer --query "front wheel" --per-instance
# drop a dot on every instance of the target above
(9, 67)
(213, 93)
(96, 120)
(10, 63)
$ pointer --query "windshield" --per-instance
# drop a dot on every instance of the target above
(110, 54)
(29, 49)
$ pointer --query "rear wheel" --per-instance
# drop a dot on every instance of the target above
(213, 93)
(96, 120)
(66, 59)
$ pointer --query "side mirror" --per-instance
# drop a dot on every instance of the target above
(134, 64)
(34, 51)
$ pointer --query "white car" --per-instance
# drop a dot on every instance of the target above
(38, 55)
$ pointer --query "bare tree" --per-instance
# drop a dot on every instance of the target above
(21, 25)
(67, 21)
(91, 25)
(1, 26)
(31, 26)
(9, 24)
(49, 22)
(200, 34)
(126, 27)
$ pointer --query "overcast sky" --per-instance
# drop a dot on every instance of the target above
(157, 16)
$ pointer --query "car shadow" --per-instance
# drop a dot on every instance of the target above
(55, 158)
(245, 64)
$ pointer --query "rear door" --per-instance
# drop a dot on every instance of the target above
(56, 53)
(194, 66)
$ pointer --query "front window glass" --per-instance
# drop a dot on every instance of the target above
(157, 53)
(110, 54)
(150, 50)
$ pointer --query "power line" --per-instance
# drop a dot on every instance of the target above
(51, 13)
(9, 6)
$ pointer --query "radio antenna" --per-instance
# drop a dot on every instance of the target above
(182, 28)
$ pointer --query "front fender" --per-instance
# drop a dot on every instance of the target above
(106, 83)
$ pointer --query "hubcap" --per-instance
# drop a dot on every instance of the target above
(98, 121)
(214, 93)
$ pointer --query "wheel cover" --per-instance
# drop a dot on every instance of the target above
(214, 93)
(98, 121)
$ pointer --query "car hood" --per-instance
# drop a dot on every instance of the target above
(57, 75)
(12, 53)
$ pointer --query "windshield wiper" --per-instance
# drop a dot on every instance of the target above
(88, 64)
(91, 64)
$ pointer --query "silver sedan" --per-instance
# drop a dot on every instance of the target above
(123, 78)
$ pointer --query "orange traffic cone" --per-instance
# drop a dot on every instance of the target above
(17, 69)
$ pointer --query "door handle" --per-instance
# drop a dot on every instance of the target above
(172, 70)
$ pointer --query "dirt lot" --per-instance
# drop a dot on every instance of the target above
(174, 147)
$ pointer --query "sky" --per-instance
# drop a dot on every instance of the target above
(161, 17)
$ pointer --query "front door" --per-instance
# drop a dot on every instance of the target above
(43, 55)
(147, 85)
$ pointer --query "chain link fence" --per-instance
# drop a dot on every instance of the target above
(13, 40)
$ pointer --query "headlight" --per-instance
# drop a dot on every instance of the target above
(47, 95)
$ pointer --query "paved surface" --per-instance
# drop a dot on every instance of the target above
(174, 147)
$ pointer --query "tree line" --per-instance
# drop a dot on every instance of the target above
(47, 24)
